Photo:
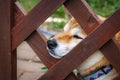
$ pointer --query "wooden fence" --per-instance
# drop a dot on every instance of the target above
(17, 26)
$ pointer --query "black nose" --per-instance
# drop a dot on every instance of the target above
(51, 44)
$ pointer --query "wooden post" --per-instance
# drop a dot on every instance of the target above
(8, 67)
(5, 40)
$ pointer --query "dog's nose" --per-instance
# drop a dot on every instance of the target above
(51, 44)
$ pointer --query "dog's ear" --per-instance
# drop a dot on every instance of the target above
(74, 28)
(67, 26)
(71, 24)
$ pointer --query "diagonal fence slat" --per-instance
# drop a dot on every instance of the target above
(36, 40)
(85, 48)
(32, 21)
(88, 20)
(83, 14)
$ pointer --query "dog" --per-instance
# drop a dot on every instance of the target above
(96, 67)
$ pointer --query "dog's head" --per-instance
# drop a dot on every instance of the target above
(63, 43)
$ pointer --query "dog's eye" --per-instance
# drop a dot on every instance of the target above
(52, 36)
(77, 37)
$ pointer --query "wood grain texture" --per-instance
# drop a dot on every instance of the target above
(32, 21)
(5, 40)
(88, 46)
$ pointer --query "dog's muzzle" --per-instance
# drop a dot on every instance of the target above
(51, 45)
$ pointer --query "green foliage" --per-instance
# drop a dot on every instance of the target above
(104, 7)
(59, 13)
(101, 7)
(44, 68)
(57, 24)
(28, 4)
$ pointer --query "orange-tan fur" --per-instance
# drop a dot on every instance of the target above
(64, 37)
(117, 37)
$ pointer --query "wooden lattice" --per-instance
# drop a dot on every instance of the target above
(22, 26)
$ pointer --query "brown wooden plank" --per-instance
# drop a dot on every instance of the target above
(87, 18)
(5, 40)
(85, 48)
(36, 38)
(14, 53)
(32, 21)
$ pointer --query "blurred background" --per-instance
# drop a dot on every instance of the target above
(101, 7)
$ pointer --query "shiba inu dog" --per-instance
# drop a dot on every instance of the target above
(96, 67)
